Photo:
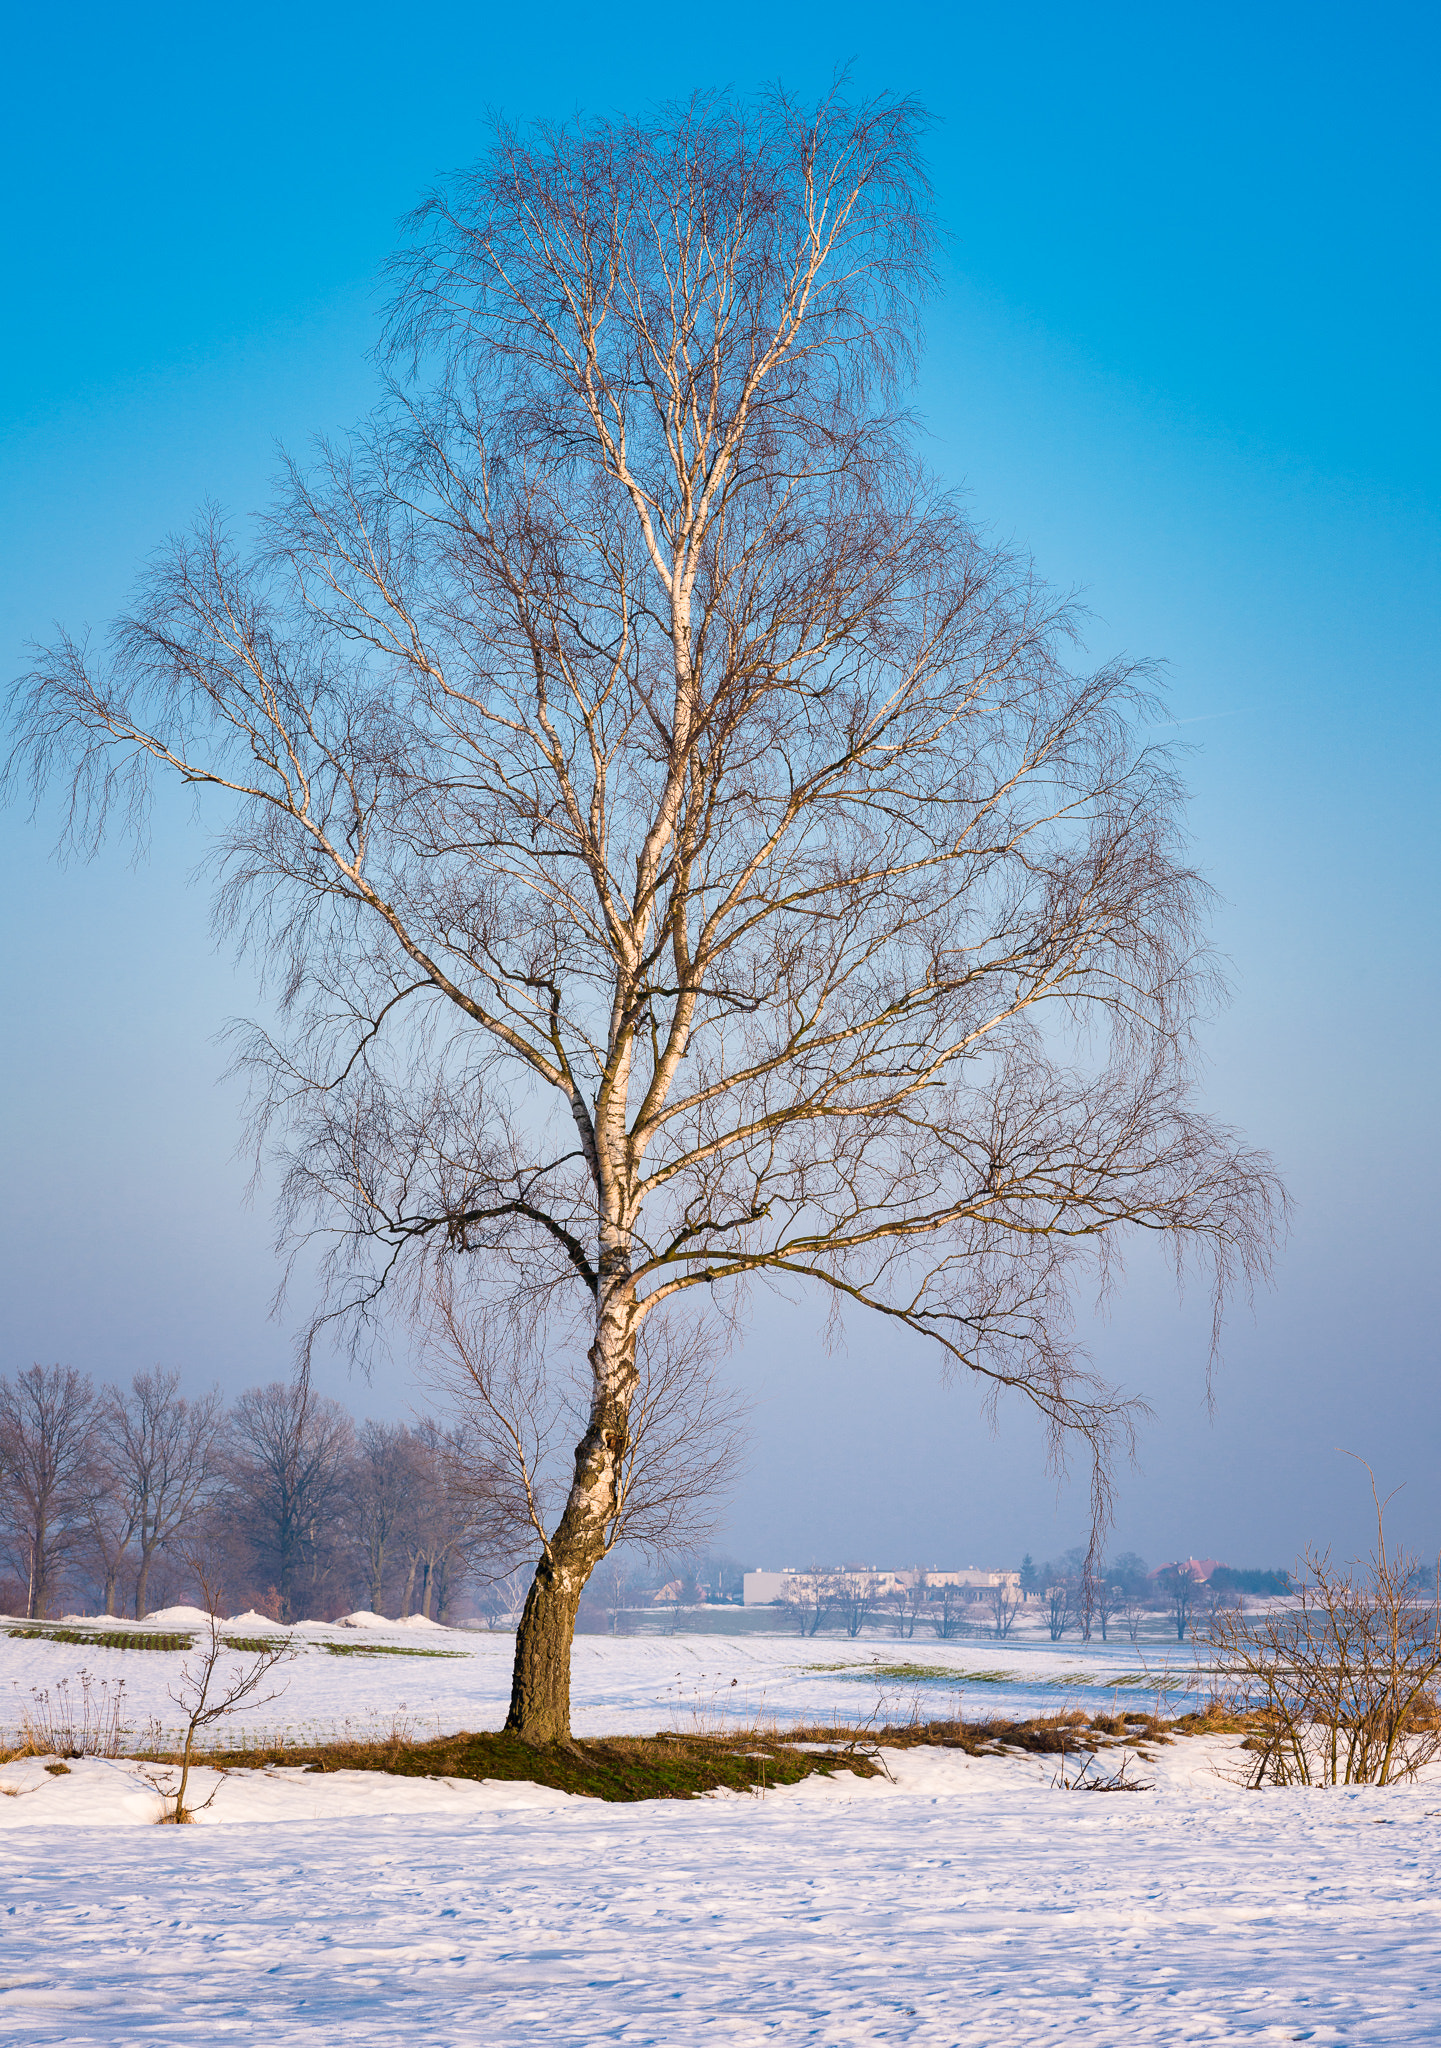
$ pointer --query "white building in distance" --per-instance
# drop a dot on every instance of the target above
(762, 1588)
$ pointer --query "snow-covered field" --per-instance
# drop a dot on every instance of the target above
(625, 1685)
(969, 1901)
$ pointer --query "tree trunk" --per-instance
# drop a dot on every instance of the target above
(540, 1687)
(40, 1568)
(142, 1586)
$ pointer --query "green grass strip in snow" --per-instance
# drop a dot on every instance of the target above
(389, 1650)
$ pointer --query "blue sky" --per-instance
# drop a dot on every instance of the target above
(1185, 351)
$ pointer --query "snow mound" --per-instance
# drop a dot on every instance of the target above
(364, 1617)
(179, 1617)
(415, 1621)
(251, 1619)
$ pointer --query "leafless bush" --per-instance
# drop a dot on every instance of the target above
(1342, 1678)
(206, 1694)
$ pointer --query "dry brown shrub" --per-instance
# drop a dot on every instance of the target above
(1338, 1685)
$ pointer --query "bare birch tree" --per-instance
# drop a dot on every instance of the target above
(687, 851)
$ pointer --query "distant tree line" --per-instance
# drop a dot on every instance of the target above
(1267, 1584)
(1121, 1592)
(111, 1497)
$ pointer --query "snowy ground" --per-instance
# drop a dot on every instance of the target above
(967, 1902)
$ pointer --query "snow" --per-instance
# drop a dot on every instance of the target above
(967, 1902)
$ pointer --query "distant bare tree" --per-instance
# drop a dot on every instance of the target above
(502, 1597)
(856, 1596)
(687, 851)
(901, 1608)
(947, 1611)
(915, 1597)
(1084, 1600)
(1182, 1591)
(1109, 1600)
(165, 1452)
(1060, 1607)
(1005, 1603)
(614, 1594)
(808, 1599)
(378, 1498)
(48, 1475)
(289, 1450)
(453, 1519)
(110, 1519)
(1130, 1585)
(1133, 1613)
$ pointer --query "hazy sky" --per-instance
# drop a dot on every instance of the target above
(1186, 352)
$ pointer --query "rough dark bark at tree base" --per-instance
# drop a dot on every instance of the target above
(540, 1687)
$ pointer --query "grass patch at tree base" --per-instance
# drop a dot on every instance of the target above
(616, 1767)
(674, 1765)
